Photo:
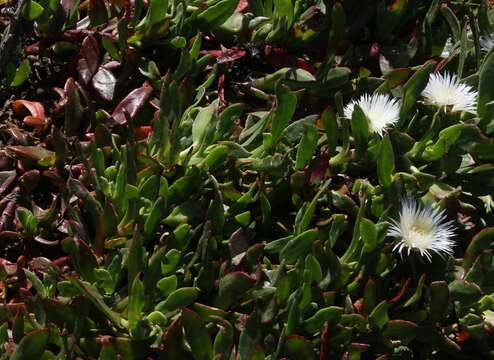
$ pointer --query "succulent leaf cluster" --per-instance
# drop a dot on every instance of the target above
(246, 179)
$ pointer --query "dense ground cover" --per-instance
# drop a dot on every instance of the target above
(246, 179)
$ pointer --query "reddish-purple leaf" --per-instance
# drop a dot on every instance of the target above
(90, 51)
(317, 174)
(18, 135)
(88, 64)
(30, 179)
(73, 108)
(132, 103)
(239, 242)
(111, 65)
(104, 83)
(230, 55)
(226, 55)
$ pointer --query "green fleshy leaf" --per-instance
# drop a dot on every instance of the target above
(22, 73)
(32, 10)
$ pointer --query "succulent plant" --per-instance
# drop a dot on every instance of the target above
(223, 179)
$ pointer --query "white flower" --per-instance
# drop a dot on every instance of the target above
(381, 111)
(422, 228)
(486, 43)
(446, 90)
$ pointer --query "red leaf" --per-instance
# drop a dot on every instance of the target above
(324, 348)
(61, 261)
(32, 49)
(270, 50)
(375, 50)
(242, 5)
(226, 55)
(358, 306)
(214, 53)
(37, 117)
(279, 57)
(400, 293)
(302, 64)
(132, 103)
(142, 132)
(462, 337)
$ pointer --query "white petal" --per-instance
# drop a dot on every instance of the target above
(447, 91)
(381, 110)
(422, 228)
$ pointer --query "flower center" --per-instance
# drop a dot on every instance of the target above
(445, 96)
(419, 234)
(420, 228)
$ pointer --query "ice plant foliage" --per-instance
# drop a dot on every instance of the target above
(422, 228)
(381, 110)
(445, 90)
(214, 204)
